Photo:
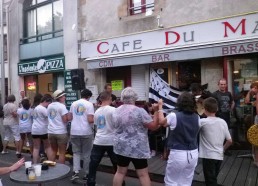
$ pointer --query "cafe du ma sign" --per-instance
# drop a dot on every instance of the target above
(206, 33)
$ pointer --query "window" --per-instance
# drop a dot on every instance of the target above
(43, 19)
(141, 6)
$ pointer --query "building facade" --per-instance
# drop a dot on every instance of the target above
(183, 41)
(43, 46)
(120, 41)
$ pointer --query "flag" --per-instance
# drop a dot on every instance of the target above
(160, 89)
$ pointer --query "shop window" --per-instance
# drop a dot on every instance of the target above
(140, 6)
(188, 73)
(43, 19)
(245, 73)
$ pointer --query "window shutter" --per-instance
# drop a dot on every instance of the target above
(138, 81)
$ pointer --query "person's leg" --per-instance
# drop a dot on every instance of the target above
(122, 166)
(119, 176)
(141, 167)
(53, 147)
(23, 138)
(36, 144)
(186, 177)
(29, 139)
(86, 151)
(144, 176)
(47, 148)
(217, 165)
(7, 136)
(76, 154)
(97, 153)
(62, 140)
(209, 170)
(17, 138)
(112, 156)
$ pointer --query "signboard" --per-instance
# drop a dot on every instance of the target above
(41, 66)
(117, 85)
(218, 31)
(71, 95)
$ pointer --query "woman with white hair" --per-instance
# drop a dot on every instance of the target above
(131, 137)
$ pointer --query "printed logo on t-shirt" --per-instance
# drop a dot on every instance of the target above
(79, 109)
(52, 114)
(24, 116)
(35, 115)
(101, 122)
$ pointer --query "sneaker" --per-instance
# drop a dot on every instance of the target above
(4, 152)
(75, 176)
(153, 153)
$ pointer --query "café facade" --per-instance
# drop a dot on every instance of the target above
(200, 52)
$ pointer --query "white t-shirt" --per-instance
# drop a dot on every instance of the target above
(25, 120)
(213, 133)
(105, 130)
(40, 121)
(55, 111)
(80, 109)
(8, 109)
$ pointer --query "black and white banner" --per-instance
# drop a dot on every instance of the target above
(160, 89)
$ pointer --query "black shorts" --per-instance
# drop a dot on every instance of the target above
(123, 161)
(43, 136)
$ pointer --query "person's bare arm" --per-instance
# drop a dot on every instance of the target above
(65, 118)
(227, 144)
(154, 125)
(15, 166)
(90, 119)
(162, 120)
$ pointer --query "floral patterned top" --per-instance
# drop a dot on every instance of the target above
(131, 137)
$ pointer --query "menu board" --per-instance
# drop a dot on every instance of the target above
(71, 95)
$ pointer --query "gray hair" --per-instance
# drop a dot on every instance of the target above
(129, 96)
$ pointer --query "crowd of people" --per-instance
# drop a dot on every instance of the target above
(123, 132)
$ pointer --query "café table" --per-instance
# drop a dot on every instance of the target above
(53, 173)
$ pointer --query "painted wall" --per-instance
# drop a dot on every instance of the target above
(111, 21)
(15, 33)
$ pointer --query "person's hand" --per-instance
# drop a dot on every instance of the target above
(160, 103)
(17, 165)
(155, 107)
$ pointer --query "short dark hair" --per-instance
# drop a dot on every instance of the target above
(25, 104)
(211, 105)
(104, 96)
(11, 98)
(86, 93)
(186, 102)
(46, 98)
(107, 85)
(37, 99)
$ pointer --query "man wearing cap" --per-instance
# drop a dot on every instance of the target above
(82, 115)
(57, 131)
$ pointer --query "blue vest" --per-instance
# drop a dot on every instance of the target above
(184, 136)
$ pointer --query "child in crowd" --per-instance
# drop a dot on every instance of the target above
(103, 142)
(214, 131)
(25, 124)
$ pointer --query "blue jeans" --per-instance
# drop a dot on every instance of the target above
(97, 153)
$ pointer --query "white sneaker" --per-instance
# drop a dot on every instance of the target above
(153, 153)
(4, 152)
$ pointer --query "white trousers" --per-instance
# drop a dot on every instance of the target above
(180, 167)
